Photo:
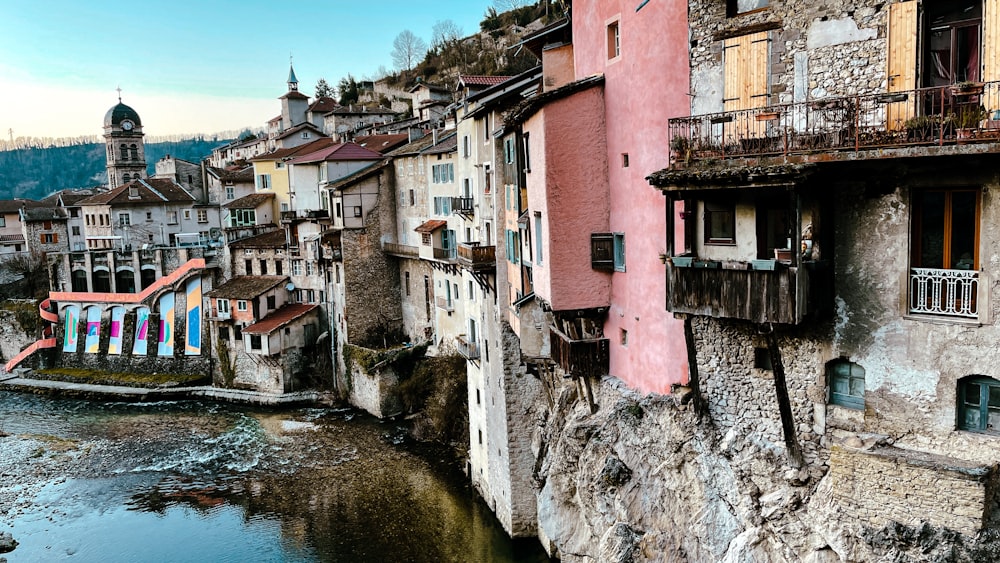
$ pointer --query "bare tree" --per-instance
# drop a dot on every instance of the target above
(444, 33)
(507, 5)
(407, 49)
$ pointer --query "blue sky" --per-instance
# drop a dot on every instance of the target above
(191, 66)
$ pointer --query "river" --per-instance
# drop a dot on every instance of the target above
(198, 481)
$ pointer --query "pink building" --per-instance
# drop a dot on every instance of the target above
(642, 54)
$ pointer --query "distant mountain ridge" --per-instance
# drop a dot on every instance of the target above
(34, 173)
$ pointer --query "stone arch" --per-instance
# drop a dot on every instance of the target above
(147, 276)
(125, 280)
(101, 280)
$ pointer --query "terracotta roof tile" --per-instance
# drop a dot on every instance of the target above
(298, 129)
(323, 105)
(246, 287)
(383, 143)
(279, 318)
(252, 201)
(480, 80)
(290, 152)
(339, 152)
(431, 226)
(271, 239)
(147, 190)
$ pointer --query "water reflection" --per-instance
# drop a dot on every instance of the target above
(194, 481)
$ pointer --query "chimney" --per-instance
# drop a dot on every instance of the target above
(434, 136)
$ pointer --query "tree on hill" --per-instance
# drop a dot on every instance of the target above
(508, 5)
(323, 89)
(348, 90)
(407, 49)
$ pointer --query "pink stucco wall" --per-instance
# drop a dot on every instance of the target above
(567, 186)
(644, 87)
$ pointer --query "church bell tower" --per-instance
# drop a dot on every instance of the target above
(123, 141)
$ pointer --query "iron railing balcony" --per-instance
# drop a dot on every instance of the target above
(445, 254)
(939, 116)
(951, 293)
(462, 205)
(475, 257)
(466, 348)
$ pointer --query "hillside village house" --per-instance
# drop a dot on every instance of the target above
(827, 170)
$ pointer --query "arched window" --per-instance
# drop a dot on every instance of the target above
(124, 150)
(847, 383)
(102, 281)
(979, 404)
(126, 178)
(135, 152)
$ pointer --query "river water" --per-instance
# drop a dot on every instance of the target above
(207, 482)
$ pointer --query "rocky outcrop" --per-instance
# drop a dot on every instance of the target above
(644, 479)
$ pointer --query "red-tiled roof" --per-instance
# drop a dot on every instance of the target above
(274, 119)
(298, 129)
(11, 238)
(252, 201)
(294, 95)
(323, 105)
(444, 146)
(480, 80)
(246, 287)
(383, 143)
(431, 226)
(279, 318)
(290, 152)
(271, 239)
(14, 205)
(147, 190)
(342, 151)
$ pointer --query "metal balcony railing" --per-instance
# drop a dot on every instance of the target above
(444, 253)
(922, 117)
(466, 348)
(462, 205)
(944, 292)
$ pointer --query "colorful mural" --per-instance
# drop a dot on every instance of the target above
(117, 328)
(141, 331)
(93, 342)
(71, 320)
(166, 341)
(192, 340)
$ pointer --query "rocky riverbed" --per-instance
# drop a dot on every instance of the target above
(89, 481)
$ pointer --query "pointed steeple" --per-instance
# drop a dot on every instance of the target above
(293, 83)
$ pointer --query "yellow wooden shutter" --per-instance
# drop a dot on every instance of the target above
(990, 57)
(902, 60)
(745, 82)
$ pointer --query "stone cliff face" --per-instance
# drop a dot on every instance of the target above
(643, 479)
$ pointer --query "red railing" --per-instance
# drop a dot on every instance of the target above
(925, 116)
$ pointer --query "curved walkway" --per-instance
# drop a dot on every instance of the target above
(14, 382)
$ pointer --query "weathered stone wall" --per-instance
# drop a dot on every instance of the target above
(371, 278)
(646, 479)
(817, 49)
(891, 485)
(13, 336)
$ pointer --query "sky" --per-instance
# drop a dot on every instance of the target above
(191, 66)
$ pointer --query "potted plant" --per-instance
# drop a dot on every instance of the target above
(920, 128)
(968, 120)
(966, 88)
(680, 148)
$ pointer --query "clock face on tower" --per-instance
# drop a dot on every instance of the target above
(127, 125)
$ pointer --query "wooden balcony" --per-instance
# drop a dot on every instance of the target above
(475, 257)
(445, 303)
(463, 205)
(785, 295)
(586, 357)
(444, 254)
(912, 122)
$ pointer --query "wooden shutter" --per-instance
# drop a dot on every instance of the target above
(745, 82)
(55, 238)
(602, 251)
(902, 61)
(991, 41)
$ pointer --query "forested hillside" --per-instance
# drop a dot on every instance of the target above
(34, 173)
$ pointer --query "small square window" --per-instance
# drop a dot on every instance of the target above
(847, 384)
(720, 223)
(737, 7)
(762, 359)
(241, 305)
